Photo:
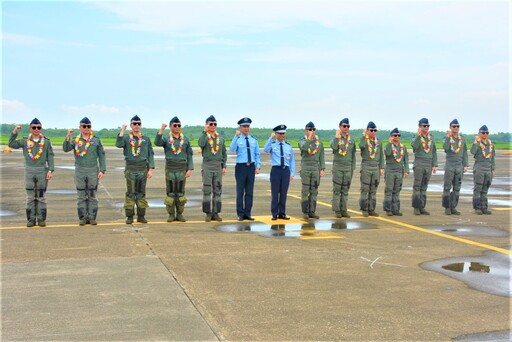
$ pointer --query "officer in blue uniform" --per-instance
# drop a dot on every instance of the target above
(248, 165)
(283, 170)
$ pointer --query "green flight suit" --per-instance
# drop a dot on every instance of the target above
(177, 163)
(136, 172)
(370, 174)
(87, 167)
(424, 161)
(456, 160)
(35, 174)
(343, 166)
(211, 171)
(482, 173)
(393, 176)
(312, 162)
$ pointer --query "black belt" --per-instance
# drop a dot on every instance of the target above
(280, 167)
(246, 164)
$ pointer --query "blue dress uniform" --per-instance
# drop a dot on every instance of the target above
(247, 161)
(283, 167)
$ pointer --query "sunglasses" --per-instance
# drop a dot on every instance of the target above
(372, 130)
(345, 126)
(455, 126)
(484, 132)
(86, 126)
(177, 125)
(425, 125)
(396, 135)
(36, 127)
(136, 123)
(212, 124)
(279, 133)
(311, 129)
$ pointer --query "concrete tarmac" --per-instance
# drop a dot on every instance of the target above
(357, 279)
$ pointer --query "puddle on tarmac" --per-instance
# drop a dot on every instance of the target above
(459, 230)
(292, 229)
(4, 213)
(501, 335)
(489, 273)
(61, 192)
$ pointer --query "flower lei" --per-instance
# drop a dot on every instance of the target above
(79, 143)
(427, 146)
(317, 145)
(344, 144)
(452, 144)
(485, 154)
(398, 156)
(180, 147)
(372, 149)
(135, 153)
(217, 143)
(31, 143)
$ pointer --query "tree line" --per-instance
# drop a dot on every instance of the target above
(262, 134)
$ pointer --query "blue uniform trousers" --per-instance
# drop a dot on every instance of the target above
(244, 175)
(279, 183)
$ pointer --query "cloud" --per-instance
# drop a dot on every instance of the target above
(91, 109)
(23, 39)
(448, 21)
(13, 107)
(30, 40)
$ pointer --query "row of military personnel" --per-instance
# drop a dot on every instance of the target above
(390, 161)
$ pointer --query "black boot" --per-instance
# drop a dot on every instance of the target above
(141, 212)
(82, 216)
(129, 216)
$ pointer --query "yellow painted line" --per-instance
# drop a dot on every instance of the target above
(451, 237)
(424, 230)
(502, 209)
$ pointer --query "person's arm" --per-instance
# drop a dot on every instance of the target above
(13, 143)
(120, 141)
(257, 156)
(234, 142)
(101, 157)
(268, 145)
(190, 156)
(406, 161)
(159, 141)
(292, 163)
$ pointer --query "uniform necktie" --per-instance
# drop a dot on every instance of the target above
(282, 154)
(248, 150)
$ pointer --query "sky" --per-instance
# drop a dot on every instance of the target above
(277, 62)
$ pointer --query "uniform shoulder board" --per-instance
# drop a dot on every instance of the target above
(286, 142)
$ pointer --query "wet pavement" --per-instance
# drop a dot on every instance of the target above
(383, 278)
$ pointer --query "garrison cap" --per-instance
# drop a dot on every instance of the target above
(175, 119)
(394, 131)
(85, 120)
(135, 118)
(211, 118)
(484, 128)
(280, 129)
(371, 124)
(244, 122)
(423, 121)
(454, 122)
(310, 125)
(35, 121)
(344, 121)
